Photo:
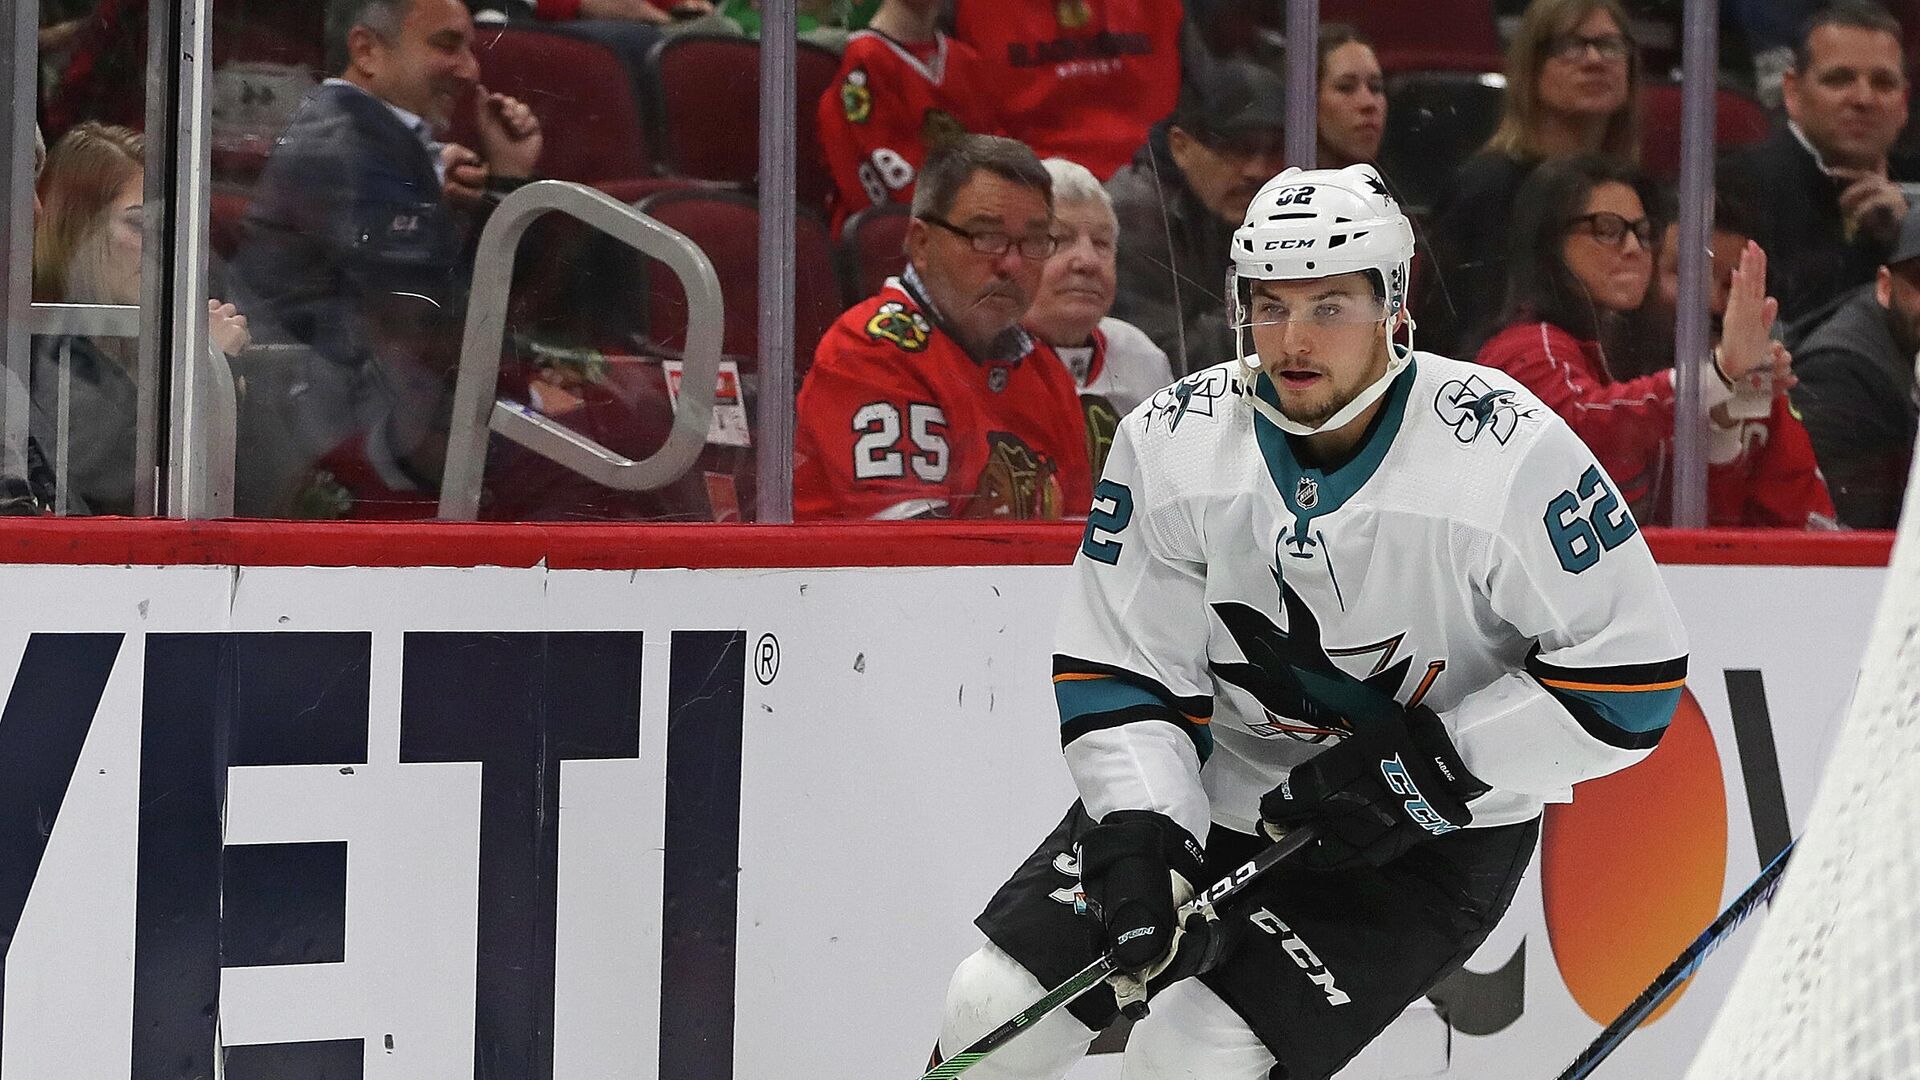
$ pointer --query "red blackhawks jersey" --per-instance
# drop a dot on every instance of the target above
(884, 108)
(896, 420)
(1079, 79)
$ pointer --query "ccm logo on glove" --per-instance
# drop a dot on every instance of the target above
(1419, 811)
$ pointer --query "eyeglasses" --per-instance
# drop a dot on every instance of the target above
(996, 243)
(1325, 313)
(1610, 228)
(1573, 47)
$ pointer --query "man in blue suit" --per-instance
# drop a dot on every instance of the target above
(358, 240)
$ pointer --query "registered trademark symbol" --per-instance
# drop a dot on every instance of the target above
(766, 659)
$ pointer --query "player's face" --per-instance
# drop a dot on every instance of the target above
(1724, 253)
(1226, 174)
(1353, 106)
(1604, 248)
(981, 295)
(1852, 99)
(1321, 341)
(1586, 69)
(429, 65)
(1077, 286)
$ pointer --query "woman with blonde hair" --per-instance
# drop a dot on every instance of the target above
(1572, 88)
(87, 245)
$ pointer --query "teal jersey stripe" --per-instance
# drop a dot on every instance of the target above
(1632, 719)
(1088, 705)
(1084, 697)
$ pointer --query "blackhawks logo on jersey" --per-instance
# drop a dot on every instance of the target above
(897, 323)
(1293, 675)
(1103, 420)
(855, 98)
(1017, 482)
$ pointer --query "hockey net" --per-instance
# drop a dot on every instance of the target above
(1832, 986)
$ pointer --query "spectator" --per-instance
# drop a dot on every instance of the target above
(1580, 261)
(1079, 79)
(1572, 77)
(1857, 388)
(1180, 200)
(88, 240)
(1827, 185)
(1115, 365)
(1780, 482)
(357, 243)
(1353, 98)
(929, 400)
(902, 85)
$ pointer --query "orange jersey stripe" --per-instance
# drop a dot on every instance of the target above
(1612, 688)
(1081, 676)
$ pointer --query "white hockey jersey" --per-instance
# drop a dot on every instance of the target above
(1233, 611)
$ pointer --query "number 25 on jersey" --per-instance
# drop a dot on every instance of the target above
(1580, 539)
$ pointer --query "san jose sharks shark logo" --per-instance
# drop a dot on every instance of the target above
(1472, 408)
(1292, 674)
(1191, 396)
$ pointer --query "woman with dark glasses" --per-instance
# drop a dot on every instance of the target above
(1581, 257)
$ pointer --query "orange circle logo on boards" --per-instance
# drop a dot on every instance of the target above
(1633, 869)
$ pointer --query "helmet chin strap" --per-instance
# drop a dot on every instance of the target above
(1399, 356)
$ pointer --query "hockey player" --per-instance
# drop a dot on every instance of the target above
(1331, 581)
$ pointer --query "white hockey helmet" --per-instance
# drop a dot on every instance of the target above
(1306, 224)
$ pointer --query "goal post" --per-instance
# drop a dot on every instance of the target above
(1832, 985)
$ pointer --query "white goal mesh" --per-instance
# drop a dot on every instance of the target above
(1832, 987)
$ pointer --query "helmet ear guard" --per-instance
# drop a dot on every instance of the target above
(1308, 224)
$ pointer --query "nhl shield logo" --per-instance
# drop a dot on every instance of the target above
(997, 377)
(1307, 494)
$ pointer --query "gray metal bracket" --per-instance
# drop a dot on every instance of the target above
(475, 409)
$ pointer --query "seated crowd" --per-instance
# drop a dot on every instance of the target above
(1070, 176)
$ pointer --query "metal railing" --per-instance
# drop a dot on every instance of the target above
(476, 410)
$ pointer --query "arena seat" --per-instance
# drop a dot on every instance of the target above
(587, 101)
(709, 109)
(726, 226)
(1739, 121)
(1421, 35)
(871, 250)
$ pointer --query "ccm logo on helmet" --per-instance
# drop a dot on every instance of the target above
(1286, 245)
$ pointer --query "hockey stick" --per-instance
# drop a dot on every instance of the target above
(1683, 966)
(1090, 976)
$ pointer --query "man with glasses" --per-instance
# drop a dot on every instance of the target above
(1828, 187)
(929, 399)
(1857, 392)
(1333, 582)
(1180, 200)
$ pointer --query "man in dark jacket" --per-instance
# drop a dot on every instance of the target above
(1827, 185)
(358, 240)
(1179, 201)
(1857, 393)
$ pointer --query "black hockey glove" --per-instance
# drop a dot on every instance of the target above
(1137, 867)
(1376, 794)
